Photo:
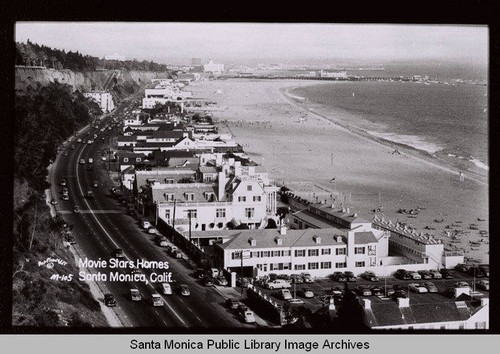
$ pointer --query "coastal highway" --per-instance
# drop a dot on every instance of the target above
(102, 226)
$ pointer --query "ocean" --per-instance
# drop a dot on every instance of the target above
(449, 121)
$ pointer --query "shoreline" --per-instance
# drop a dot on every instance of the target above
(411, 151)
(295, 144)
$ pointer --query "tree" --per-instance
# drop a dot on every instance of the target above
(350, 312)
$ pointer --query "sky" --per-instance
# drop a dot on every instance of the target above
(178, 42)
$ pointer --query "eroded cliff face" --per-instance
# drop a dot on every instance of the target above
(83, 81)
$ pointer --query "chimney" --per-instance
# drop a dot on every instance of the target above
(403, 302)
(283, 230)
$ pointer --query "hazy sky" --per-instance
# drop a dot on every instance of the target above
(230, 42)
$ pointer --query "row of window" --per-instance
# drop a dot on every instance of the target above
(256, 198)
(308, 266)
(137, 159)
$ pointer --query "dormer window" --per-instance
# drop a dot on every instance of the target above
(189, 196)
(278, 240)
(252, 241)
(317, 239)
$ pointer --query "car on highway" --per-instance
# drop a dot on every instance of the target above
(65, 153)
(199, 273)
(78, 140)
(70, 238)
(166, 288)
(184, 290)
(415, 287)
(285, 294)
(53, 202)
(76, 209)
(339, 276)
(435, 274)
(119, 253)
(402, 274)
(431, 287)
(483, 284)
(278, 284)
(232, 303)
(208, 281)
(363, 290)
(156, 300)
(350, 276)
(306, 292)
(82, 161)
(63, 182)
(369, 275)
(109, 300)
(377, 290)
(162, 241)
(135, 295)
(248, 316)
(221, 280)
(146, 224)
(152, 230)
(95, 184)
(65, 197)
(90, 194)
(425, 274)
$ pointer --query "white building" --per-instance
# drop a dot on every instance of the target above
(213, 68)
(103, 99)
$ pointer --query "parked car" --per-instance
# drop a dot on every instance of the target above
(461, 284)
(152, 231)
(184, 290)
(377, 290)
(306, 292)
(278, 284)
(369, 275)
(363, 290)
(156, 300)
(285, 277)
(82, 161)
(146, 224)
(214, 272)
(70, 238)
(402, 274)
(447, 274)
(486, 269)
(462, 267)
(339, 276)
(166, 288)
(76, 209)
(243, 282)
(337, 292)
(398, 291)
(435, 274)
(417, 288)
(483, 284)
(415, 275)
(295, 301)
(477, 272)
(119, 253)
(431, 287)
(63, 182)
(425, 274)
(297, 279)
(95, 184)
(350, 276)
(388, 290)
(109, 300)
(65, 197)
(199, 273)
(285, 294)
(241, 308)
(307, 278)
(53, 202)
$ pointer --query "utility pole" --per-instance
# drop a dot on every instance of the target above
(189, 214)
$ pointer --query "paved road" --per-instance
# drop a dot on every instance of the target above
(103, 226)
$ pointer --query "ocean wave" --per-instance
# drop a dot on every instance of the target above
(480, 164)
(409, 140)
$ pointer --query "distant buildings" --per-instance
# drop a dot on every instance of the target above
(103, 99)
(213, 68)
(115, 56)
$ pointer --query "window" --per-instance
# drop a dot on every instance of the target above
(255, 254)
(326, 265)
(287, 253)
(326, 251)
(359, 250)
(189, 196)
(220, 213)
(341, 265)
(249, 212)
(313, 253)
(236, 255)
(313, 265)
(340, 251)
(360, 264)
(249, 188)
(169, 196)
(242, 199)
(167, 214)
(265, 253)
(300, 267)
(275, 253)
(169, 180)
(192, 212)
(257, 198)
(300, 253)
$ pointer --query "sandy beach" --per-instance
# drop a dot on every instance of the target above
(297, 141)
